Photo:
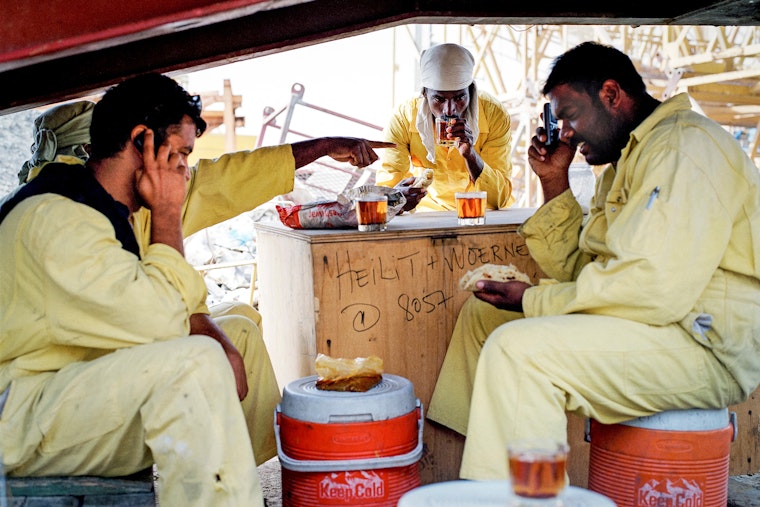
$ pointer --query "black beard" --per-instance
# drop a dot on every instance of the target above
(608, 150)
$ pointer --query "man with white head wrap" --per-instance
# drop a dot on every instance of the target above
(480, 161)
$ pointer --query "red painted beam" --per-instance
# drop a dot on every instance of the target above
(33, 31)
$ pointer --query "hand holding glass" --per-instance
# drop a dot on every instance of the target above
(441, 136)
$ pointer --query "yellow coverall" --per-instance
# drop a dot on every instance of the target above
(100, 381)
(657, 304)
(218, 190)
(409, 158)
(112, 385)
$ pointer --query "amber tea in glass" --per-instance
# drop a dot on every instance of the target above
(441, 124)
(537, 468)
(471, 208)
(371, 212)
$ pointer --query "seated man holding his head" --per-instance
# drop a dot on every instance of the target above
(217, 190)
(104, 368)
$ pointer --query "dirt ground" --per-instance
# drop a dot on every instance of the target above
(271, 482)
(743, 490)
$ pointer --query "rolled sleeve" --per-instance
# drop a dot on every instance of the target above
(395, 162)
(234, 183)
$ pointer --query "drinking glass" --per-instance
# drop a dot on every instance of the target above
(471, 208)
(537, 471)
(371, 212)
(441, 123)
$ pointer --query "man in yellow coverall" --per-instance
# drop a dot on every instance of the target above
(104, 368)
(481, 161)
(218, 190)
(657, 300)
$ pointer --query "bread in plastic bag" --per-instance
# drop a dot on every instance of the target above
(338, 214)
(348, 375)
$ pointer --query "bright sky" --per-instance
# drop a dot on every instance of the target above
(352, 76)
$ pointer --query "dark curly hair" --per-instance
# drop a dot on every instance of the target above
(588, 65)
(151, 99)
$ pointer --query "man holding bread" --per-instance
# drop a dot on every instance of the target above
(655, 303)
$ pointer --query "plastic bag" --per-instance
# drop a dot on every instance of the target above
(340, 213)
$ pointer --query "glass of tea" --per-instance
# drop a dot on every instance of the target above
(371, 212)
(537, 471)
(471, 208)
(441, 136)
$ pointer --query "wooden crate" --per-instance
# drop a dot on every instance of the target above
(393, 294)
(745, 450)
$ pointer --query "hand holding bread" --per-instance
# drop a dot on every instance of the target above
(493, 272)
(424, 180)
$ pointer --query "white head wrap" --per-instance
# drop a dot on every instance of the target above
(446, 67)
(61, 131)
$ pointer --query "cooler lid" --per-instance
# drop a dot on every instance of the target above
(683, 420)
(392, 397)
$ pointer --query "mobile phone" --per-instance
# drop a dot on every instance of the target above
(551, 126)
(157, 141)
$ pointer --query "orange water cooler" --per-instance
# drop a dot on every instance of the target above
(348, 449)
(677, 458)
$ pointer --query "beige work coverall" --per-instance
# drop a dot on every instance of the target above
(657, 304)
(103, 377)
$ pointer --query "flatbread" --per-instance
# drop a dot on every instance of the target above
(495, 272)
(424, 180)
(349, 375)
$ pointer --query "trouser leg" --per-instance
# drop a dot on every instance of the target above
(532, 371)
(237, 308)
(263, 392)
(172, 403)
(450, 403)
